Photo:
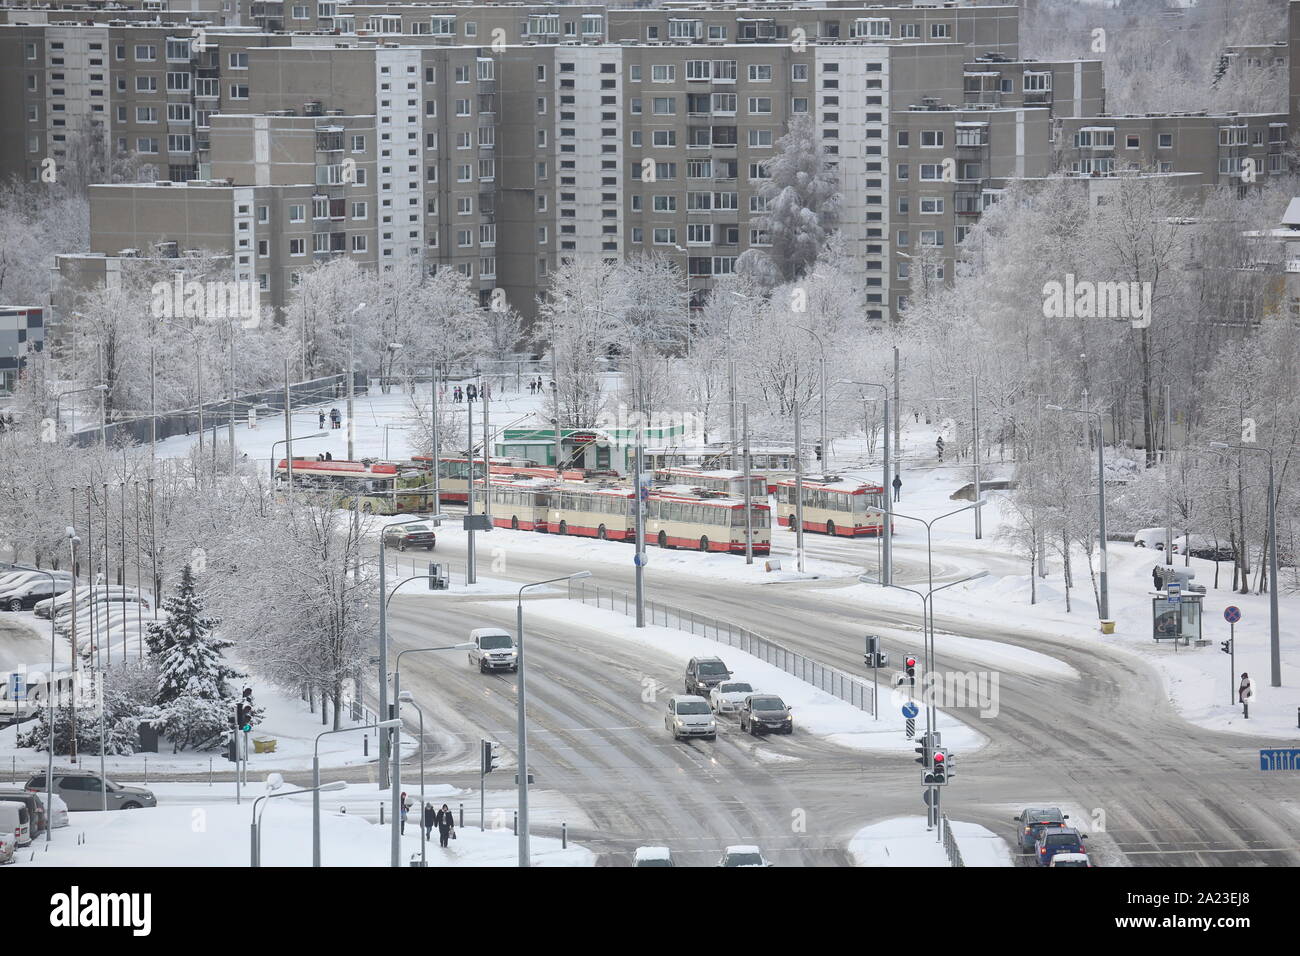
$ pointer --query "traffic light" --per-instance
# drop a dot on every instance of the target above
(490, 756)
(924, 751)
(818, 450)
(939, 774)
(911, 671)
(245, 716)
(1226, 646)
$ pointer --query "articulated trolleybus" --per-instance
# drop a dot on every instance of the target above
(728, 482)
(375, 487)
(833, 505)
(675, 516)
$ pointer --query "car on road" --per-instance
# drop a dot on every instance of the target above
(743, 856)
(493, 650)
(653, 856)
(729, 696)
(1070, 859)
(1150, 538)
(689, 715)
(1032, 820)
(702, 673)
(1054, 840)
(410, 535)
(83, 790)
(15, 823)
(765, 714)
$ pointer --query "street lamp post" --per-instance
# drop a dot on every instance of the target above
(1275, 647)
(1103, 598)
(405, 697)
(396, 748)
(58, 401)
(316, 784)
(824, 441)
(255, 848)
(288, 454)
(887, 553)
(521, 714)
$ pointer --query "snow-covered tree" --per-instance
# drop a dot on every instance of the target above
(801, 200)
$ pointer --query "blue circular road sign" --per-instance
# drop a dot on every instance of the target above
(910, 710)
(639, 559)
(1232, 614)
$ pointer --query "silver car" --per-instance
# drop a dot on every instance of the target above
(84, 790)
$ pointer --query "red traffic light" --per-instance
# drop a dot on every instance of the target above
(911, 662)
(938, 756)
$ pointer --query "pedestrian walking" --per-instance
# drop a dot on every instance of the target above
(445, 825)
(938, 444)
(460, 395)
(1156, 578)
(405, 805)
(1245, 694)
(898, 488)
(336, 417)
(916, 416)
(471, 392)
(321, 415)
(429, 816)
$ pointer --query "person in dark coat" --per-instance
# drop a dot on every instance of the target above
(429, 817)
(471, 392)
(445, 824)
(898, 488)
(336, 417)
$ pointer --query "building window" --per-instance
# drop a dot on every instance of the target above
(297, 247)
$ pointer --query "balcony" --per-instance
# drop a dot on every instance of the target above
(1038, 97)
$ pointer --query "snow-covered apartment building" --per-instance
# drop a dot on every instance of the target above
(496, 139)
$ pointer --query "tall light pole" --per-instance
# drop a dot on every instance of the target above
(405, 697)
(521, 714)
(395, 835)
(798, 486)
(288, 454)
(1103, 597)
(255, 847)
(824, 441)
(887, 552)
(1275, 647)
(316, 784)
(58, 401)
(352, 380)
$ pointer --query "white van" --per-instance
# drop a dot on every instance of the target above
(493, 650)
(14, 820)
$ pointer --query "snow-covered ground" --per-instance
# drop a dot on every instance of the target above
(904, 841)
(815, 712)
(196, 832)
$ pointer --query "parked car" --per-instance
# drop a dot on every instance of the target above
(59, 818)
(82, 789)
(1054, 840)
(35, 808)
(20, 582)
(410, 535)
(1070, 859)
(652, 856)
(702, 673)
(765, 714)
(729, 696)
(1032, 820)
(493, 650)
(1150, 538)
(15, 822)
(689, 716)
(63, 603)
(743, 856)
(24, 596)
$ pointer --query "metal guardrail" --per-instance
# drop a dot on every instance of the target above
(950, 843)
(832, 680)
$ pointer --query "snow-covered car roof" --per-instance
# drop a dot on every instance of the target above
(653, 853)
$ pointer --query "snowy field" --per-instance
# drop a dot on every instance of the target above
(903, 841)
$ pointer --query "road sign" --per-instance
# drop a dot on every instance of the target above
(910, 710)
(639, 559)
(1280, 758)
(1232, 614)
(17, 687)
(925, 796)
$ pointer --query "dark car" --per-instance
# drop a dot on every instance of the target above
(765, 714)
(35, 808)
(1032, 820)
(1054, 840)
(412, 535)
(703, 674)
(27, 595)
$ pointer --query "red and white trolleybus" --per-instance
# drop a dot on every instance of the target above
(848, 507)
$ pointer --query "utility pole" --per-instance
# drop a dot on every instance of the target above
(471, 576)
(887, 557)
(639, 505)
(153, 408)
(749, 511)
(898, 442)
(352, 380)
(487, 460)
(975, 446)
(731, 430)
(437, 465)
(555, 394)
(798, 487)
(230, 404)
(288, 434)
(198, 365)
(1169, 482)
